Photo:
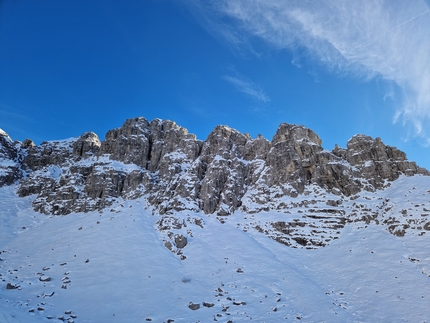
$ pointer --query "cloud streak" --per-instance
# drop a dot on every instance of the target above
(246, 86)
(389, 39)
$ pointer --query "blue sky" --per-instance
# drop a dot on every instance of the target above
(339, 68)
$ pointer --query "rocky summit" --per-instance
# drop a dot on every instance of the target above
(173, 171)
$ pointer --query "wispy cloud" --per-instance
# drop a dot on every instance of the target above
(368, 38)
(246, 86)
(8, 112)
(9, 115)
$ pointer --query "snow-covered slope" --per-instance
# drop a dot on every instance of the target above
(113, 265)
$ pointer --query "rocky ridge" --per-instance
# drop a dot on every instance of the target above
(9, 166)
(173, 171)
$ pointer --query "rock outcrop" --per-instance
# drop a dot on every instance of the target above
(87, 145)
(378, 162)
(10, 169)
(161, 162)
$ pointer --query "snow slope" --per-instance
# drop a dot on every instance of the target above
(112, 266)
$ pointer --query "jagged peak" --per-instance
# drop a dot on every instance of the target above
(138, 122)
(260, 137)
(169, 166)
(27, 143)
(161, 126)
(223, 135)
(293, 133)
(372, 149)
(225, 131)
(147, 127)
(5, 135)
(88, 144)
(157, 120)
(359, 138)
(90, 136)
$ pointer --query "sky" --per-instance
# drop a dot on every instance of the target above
(337, 67)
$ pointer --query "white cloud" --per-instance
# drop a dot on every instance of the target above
(384, 38)
(246, 86)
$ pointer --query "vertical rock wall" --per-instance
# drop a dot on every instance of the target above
(173, 171)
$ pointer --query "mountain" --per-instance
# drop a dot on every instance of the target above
(152, 224)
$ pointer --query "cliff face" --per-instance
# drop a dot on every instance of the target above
(9, 166)
(174, 171)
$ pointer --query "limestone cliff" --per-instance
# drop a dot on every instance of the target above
(9, 165)
(161, 162)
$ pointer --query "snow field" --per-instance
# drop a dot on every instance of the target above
(113, 267)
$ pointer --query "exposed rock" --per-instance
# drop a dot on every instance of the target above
(378, 162)
(256, 149)
(7, 148)
(224, 170)
(87, 145)
(57, 152)
(129, 143)
(206, 304)
(10, 169)
(174, 171)
(28, 143)
(168, 245)
(146, 143)
(180, 241)
(11, 286)
(297, 158)
(194, 306)
(333, 202)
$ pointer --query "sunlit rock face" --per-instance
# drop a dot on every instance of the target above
(173, 171)
(87, 145)
(9, 166)
(378, 162)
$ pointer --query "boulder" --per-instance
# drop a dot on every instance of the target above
(180, 241)
(193, 306)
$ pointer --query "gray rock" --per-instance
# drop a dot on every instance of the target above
(180, 241)
(224, 170)
(87, 145)
(207, 304)
(194, 306)
(129, 143)
(174, 171)
(11, 286)
(28, 143)
(57, 152)
(10, 168)
(378, 162)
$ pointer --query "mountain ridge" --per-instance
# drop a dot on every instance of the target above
(173, 171)
(213, 174)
